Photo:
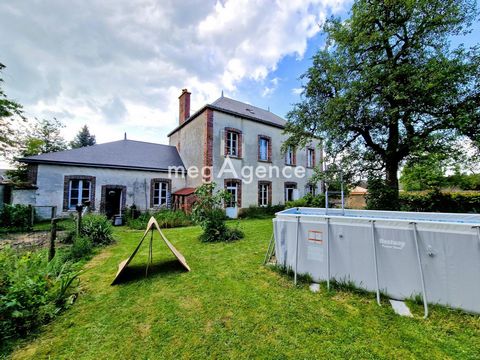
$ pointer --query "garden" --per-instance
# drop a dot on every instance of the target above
(229, 305)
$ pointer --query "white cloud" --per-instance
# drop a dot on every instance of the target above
(297, 91)
(119, 65)
(269, 90)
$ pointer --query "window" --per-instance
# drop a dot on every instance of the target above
(233, 188)
(79, 192)
(290, 191)
(310, 158)
(264, 148)
(290, 156)
(311, 189)
(264, 193)
(232, 144)
(160, 193)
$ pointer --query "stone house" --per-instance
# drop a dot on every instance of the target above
(235, 144)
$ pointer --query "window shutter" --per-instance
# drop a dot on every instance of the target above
(222, 142)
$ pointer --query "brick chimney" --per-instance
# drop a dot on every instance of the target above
(184, 106)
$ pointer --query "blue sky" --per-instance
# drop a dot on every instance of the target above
(119, 65)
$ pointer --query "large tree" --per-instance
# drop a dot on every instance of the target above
(43, 137)
(388, 84)
(10, 112)
(83, 138)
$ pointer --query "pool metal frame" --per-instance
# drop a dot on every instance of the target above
(298, 213)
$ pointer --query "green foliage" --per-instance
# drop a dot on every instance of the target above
(209, 214)
(31, 291)
(11, 113)
(43, 137)
(260, 212)
(308, 200)
(380, 196)
(389, 84)
(437, 201)
(83, 138)
(166, 219)
(81, 248)
(426, 171)
(15, 217)
(463, 181)
(97, 228)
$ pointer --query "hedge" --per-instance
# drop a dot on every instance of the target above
(436, 201)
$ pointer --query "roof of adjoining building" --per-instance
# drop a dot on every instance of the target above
(122, 154)
(241, 109)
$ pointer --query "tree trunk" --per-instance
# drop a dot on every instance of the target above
(391, 169)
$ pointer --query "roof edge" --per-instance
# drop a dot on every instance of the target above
(81, 164)
(225, 111)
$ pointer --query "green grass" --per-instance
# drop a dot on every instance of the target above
(230, 306)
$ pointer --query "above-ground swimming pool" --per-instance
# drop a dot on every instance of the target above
(401, 254)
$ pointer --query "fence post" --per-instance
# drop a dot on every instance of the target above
(53, 237)
(31, 211)
(54, 212)
(79, 219)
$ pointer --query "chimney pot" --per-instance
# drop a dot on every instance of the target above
(184, 106)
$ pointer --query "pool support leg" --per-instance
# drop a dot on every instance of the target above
(377, 283)
(296, 252)
(328, 252)
(422, 279)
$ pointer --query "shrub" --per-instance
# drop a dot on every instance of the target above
(209, 214)
(260, 212)
(97, 228)
(380, 196)
(166, 219)
(81, 248)
(308, 200)
(31, 291)
(437, 201)
(15, 217)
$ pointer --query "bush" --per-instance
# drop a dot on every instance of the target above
(380, 196)
(81, 248)
(15, 217)
(260, 212)
(98, 229)
(437, 201)
(308, 200)
(166, 219)
(32, 292)
(209, 214)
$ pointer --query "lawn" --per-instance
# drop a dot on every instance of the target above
(230, 306)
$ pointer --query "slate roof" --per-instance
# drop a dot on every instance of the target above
(238, 108)
(123, 154)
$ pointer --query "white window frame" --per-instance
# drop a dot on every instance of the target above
(232, 143)
(232, 189)
(310, 158)
(289, 156)
(312, 189)
(81, 187)
(289, 188)
(263, 194)
(158, 198)
(265, 141)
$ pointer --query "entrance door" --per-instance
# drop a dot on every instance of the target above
(113, 200)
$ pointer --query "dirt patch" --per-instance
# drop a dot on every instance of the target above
(28, 240)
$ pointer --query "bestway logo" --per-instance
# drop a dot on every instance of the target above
(392, 244)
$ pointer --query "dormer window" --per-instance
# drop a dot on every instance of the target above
(233, 143)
